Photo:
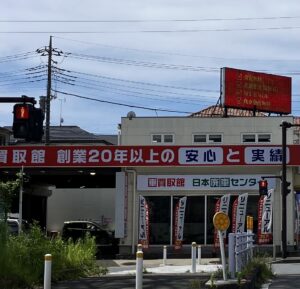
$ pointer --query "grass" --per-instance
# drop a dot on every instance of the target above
(22, 258)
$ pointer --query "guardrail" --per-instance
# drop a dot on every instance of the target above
(240, 251)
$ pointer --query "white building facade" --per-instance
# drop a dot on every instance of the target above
(212, 157)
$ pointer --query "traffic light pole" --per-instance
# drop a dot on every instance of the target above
(284, 126)
(284, 186)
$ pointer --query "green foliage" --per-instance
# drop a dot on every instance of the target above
(8, 191)
(22, 258)
(259, 269)
(196, 284)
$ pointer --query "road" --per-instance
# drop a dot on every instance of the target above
(156, 281)
(287, 274)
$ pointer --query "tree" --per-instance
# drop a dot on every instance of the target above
(8, 190)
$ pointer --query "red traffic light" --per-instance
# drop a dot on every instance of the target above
(21, 111)
(263, 187)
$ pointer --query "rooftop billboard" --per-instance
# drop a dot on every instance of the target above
(256, 91)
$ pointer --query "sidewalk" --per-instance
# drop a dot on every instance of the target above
(172, 266)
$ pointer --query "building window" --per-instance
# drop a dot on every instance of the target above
(199, 138)
(256, 138)
(162, 138)
(264, 137)
(214, 138)
(207, 138)
(248, 138)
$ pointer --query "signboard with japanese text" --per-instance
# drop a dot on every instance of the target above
(264, 230)
(256, 91)
(239, 213)
(143, 222)
(179, 222)
(200, 182)
(141, 156)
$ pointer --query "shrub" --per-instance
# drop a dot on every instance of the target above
(258, 271)
(22, 258)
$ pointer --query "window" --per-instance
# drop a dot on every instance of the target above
(162, 138)
(200, 138)
(266, 137)
(248, 138)
(207, 138)
(256, 138)
(214, 138)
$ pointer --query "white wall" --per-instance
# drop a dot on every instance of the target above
(74, 204)
(138, 130)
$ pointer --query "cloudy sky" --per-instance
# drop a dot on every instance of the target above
(156, 58)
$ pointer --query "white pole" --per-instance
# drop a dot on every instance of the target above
(165, 256)
(47, 271)
(21, 201)
(222, 253)
(199, 254)
(194, 257)
(139, 268)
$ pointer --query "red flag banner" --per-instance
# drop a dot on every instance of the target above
(144, 223)
(179, 222)
(264, 233)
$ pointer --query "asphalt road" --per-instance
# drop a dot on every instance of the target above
(156, 281)
(286, 282)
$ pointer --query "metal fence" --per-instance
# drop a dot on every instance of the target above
(240, 251)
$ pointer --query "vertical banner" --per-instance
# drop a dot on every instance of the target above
(265, 212)
(297, 217)
(239, 213)
(179, 222)
(222, 205)
(143, 223)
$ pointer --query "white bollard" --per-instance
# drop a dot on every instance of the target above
(165, 256)
(139, 268)
(199, 254)
(194, 257)
(47, 271)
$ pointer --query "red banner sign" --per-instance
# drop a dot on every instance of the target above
(253, 90)
(150, 156)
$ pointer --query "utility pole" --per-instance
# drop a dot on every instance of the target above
(48, 96)
(48, 51)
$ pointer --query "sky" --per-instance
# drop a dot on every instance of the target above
(156, 58)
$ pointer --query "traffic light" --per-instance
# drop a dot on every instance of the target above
(263, 187)
(21, 125)
(28, 122)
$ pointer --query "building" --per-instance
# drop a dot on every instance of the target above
(222, 162)
(54, 194)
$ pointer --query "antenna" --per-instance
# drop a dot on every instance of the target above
(61, 120)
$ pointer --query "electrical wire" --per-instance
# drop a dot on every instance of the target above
(148, 20)
(120, 104)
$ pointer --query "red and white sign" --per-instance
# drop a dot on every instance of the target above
(150, 156)
(239, 213)
(179, 222)
(265, 210)
(254, 90)
(144, 223)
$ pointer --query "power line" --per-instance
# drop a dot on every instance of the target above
(142, 82)
(120, 104)
(154, 31)
(149, 20)
(141, 63)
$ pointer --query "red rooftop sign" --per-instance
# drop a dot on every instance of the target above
(150, 156)
(256, 91)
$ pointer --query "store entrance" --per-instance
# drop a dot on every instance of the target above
(161, 219)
